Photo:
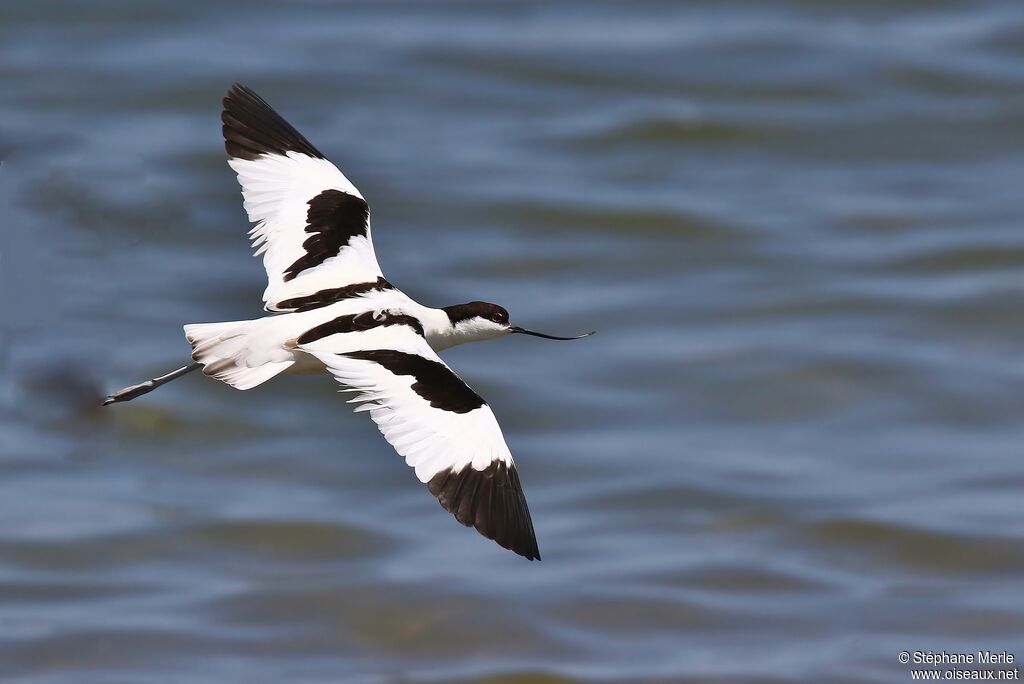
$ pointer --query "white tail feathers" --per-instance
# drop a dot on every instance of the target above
(233, 353)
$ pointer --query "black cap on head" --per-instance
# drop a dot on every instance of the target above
(464, 312)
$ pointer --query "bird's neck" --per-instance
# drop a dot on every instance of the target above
(438, 328)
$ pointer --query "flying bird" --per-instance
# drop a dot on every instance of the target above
(332, 309)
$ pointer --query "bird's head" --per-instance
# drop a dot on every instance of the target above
(475, 321)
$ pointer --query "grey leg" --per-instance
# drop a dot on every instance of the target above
(129, 393)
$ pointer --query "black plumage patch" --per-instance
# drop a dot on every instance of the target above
(359, 322)
(490, 500)
(435, 382)
(464, 312)
(252, 128)
(332, 295)
(334, 218)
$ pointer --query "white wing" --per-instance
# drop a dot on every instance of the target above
(312, 224)
(442, 428)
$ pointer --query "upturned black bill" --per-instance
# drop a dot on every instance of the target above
(524, 331)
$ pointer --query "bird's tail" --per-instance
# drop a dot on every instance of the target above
(235, 353)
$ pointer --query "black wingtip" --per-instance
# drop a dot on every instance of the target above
(252, 128)
(492, 501)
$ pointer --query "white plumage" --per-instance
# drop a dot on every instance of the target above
(276, 190)
(429, 439)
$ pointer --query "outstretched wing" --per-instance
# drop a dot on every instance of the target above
(442, 428)
(312, 224)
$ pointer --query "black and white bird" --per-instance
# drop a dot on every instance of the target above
(333, 309)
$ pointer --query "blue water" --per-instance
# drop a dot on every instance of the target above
(792, 450)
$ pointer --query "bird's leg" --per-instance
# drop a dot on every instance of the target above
(129, 393)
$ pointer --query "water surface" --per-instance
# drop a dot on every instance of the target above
(792, 450)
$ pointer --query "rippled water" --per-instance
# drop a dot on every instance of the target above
(793, 449)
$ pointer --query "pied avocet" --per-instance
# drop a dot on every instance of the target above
(332, 308)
